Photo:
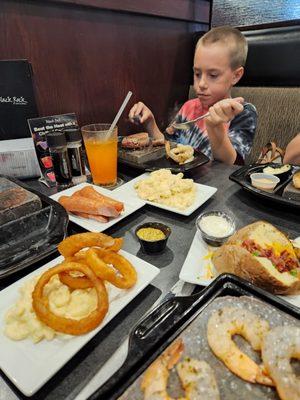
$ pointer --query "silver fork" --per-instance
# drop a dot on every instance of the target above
(187, 125)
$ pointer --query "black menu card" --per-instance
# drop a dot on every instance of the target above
(17, 101)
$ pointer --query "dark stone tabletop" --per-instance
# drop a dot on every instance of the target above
(229, 197)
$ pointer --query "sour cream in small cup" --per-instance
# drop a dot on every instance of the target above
(215, 227)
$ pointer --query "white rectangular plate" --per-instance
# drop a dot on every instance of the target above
(203, 193)
(29, 366)
(198, 267)
(130, 205)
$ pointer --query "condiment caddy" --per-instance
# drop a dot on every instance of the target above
(65, 148)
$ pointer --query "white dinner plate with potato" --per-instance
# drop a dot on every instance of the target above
(203, 193)
(198, 267)
(29, 366)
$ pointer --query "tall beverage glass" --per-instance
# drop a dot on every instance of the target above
(102, 152)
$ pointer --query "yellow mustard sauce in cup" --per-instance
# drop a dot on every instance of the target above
(151, 234)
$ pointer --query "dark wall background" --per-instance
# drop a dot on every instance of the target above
(248, 12)
(87, 54)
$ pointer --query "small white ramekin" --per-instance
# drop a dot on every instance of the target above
(258, 180)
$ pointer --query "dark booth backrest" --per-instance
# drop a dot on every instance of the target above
(272, 83)
(273, 57)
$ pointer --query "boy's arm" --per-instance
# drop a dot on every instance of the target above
(221, 146)
(140, 113)
(153, 130)
(292, 152)
(220, 114)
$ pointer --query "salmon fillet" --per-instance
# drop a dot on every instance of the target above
(99, 218)
(88, 206)
(91, 193)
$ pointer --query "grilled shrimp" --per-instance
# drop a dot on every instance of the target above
(279, 346)
(198, 380)
(155, 379)
(229, 321)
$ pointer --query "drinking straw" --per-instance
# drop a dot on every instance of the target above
(114, 123)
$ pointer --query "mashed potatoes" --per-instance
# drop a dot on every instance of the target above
(166, 188)
(22, 322)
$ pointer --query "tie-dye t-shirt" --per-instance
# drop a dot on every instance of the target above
(241, 129)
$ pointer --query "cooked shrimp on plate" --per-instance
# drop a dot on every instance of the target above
(279, 346)
(229, 321)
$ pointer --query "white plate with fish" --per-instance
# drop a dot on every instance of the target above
(131, 205)
(203, 193)
(29, 366)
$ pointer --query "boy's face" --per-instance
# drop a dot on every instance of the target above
(213, 75)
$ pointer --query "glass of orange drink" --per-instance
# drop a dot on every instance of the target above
(102, 152)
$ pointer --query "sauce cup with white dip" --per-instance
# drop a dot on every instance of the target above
(264, 181)
(215, 227)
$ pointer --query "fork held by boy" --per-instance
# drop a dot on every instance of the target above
(188, 124)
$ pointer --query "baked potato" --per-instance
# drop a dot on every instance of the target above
(263, 255)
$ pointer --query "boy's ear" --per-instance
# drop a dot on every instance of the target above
(237, 74)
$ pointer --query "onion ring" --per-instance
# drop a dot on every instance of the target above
(97, 260)
(79, 281)
(72, 244)
(69, 326)
(117, 245)
(126, 275)
(75, 282)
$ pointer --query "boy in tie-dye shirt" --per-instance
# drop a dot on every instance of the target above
(227, 133)
(241, 129)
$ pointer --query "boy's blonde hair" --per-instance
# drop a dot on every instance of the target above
(231, 38)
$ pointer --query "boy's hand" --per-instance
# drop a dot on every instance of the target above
(224, 111)
(140, 113)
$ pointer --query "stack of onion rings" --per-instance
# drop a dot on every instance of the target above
(122, 273)
(99, 259)
(85, 268)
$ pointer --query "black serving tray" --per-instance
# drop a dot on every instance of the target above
(27, 240)
(242, 178)
(159, 329)
(167, 163)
